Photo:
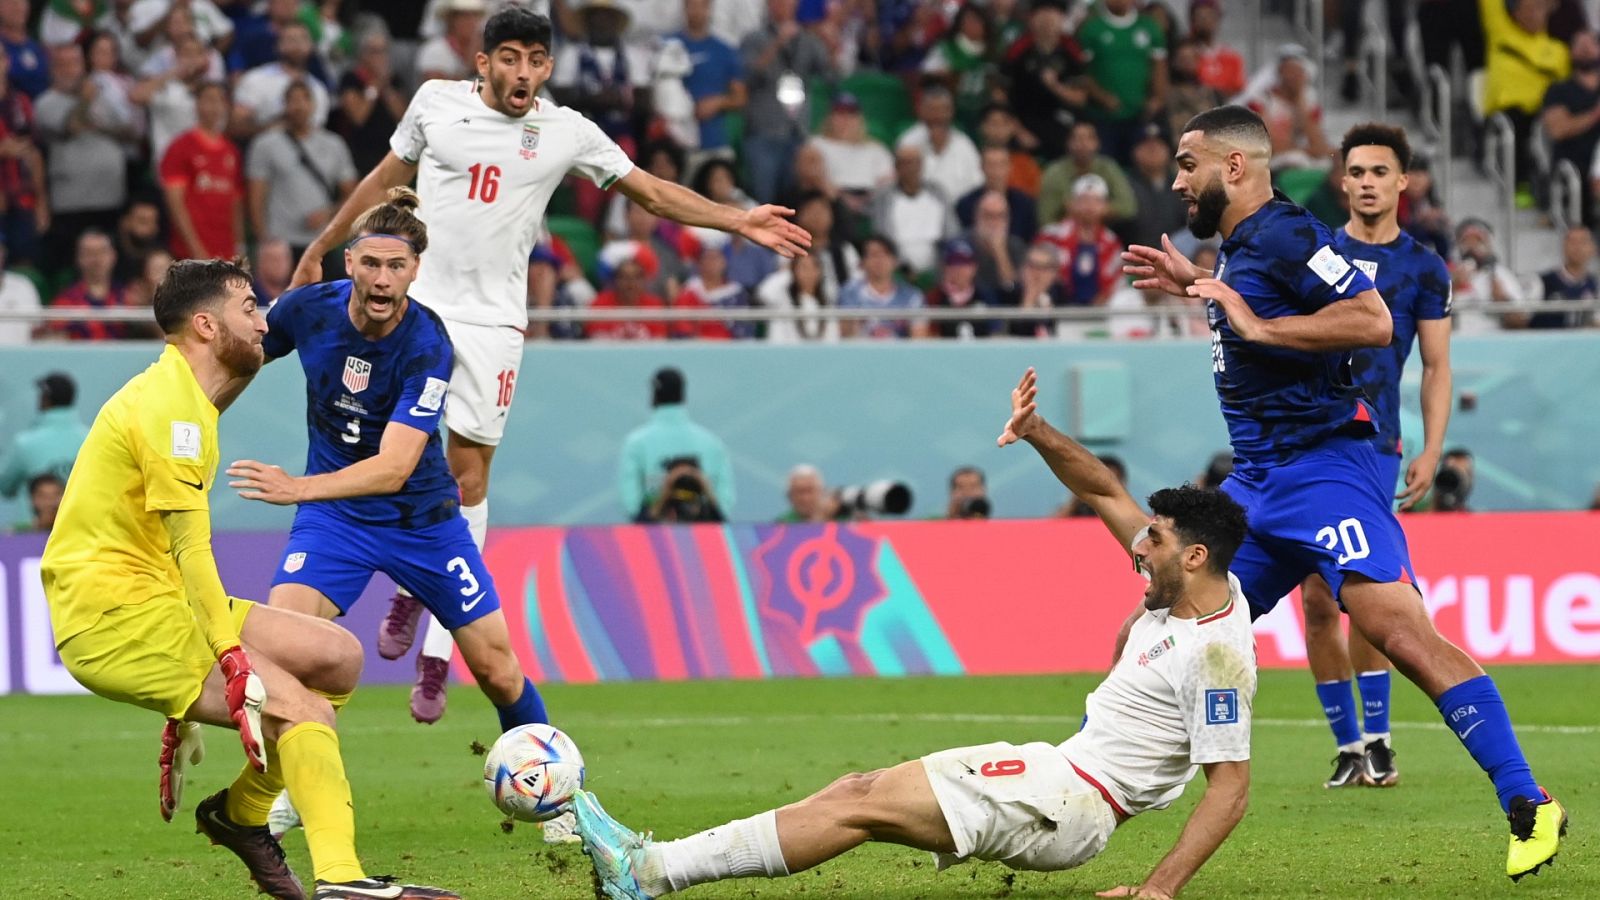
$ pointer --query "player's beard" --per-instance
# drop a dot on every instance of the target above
(1166, 587)
(1209, 205)
(241, 357)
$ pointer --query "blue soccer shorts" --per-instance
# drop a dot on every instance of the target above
(1328, 512)
(439, 564)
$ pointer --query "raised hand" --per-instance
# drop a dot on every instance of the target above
(1023, 408)
(770, 227)
(1163, 269)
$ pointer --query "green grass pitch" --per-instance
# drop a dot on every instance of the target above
(80, 817)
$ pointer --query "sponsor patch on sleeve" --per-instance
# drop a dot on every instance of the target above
(1328, 265)
(433, 394)
(1222, 706)
(185, 440)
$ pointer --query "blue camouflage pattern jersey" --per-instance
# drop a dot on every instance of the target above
(1416, 284)
(1278, 402)
(355, 387)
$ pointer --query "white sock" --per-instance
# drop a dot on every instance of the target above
(436, 641)
(1369, 738)
(1356, 747)
(477, 521)
(741, 849)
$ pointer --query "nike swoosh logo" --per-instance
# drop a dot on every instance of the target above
(387, 892)
(1470, 728)
(467, 607)
(1346, 283)
(418, 411)
(194, 484)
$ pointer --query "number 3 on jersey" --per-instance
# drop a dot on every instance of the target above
(485, 184)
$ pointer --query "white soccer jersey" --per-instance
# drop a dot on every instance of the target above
(1179, 697)
(485, 179)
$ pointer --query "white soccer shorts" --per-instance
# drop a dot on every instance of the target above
(1022, 806)
(483, 380)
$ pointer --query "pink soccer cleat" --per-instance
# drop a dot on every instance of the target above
(399, 628)
(427, 696)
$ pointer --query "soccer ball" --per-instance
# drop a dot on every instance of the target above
(532, 771)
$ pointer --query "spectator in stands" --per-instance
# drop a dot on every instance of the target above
(1039, 289)
(969, 495)
(1187, 95)
(1571, 116)
(453, 54)
(646, 240)
(82, 130)
(370, 103)
(258, 97)
(1574, 280)
(17, 294)
(95, 289)
(1127, 64)
(44, 501)
(839, 259)
(1523, 62)
(1075, 508)
(996, 165)
(1451, 24)
(879, 288)
(1284, 98)
(29, 72)
(1478, 279)
(1353, 28)
(799, 287)
(1091, 256)
(628, 290)
(810, 175)
(138, 235)
(1217, 470)
(1220, 67)
(1043, 76)
(913, 213)
(603, 76)
(556, 280)
(24, 198)
(1452, 484)
(856, 163)
(115, 89)
(156, 37)
(949, 158)
(1160, 211)
(906, 32)
(273, 269)
(998, 127)
(778, 61)
(202, 177)
(142, 291)
(716, 83)
(297, 176)
(169, 95)
(50, 445)
(957, 288)
(1421, 214)
(963, 62)
(653, 454)
(999, 251)
(710, 288)
(808, 496)
(1084, 158)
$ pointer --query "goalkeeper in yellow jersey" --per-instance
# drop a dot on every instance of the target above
(140, 614)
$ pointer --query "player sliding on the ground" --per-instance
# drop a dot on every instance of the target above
(487, 154)
(1416, 286)
(1177, 701)
(141, 617)
(1286, 309)
(377, 495)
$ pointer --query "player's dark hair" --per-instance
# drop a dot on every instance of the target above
(193, 283)
(395, 217)
(1237, 123)
(1204, 516)
(1376, 134)
(517, 25)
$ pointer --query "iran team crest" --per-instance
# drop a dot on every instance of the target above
(357, 372)
(530, 140)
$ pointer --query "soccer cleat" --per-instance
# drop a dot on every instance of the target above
(1377, 764)
(427, 695)
(611, 847)
(562, 830)
(1537, 828)
(282, 817)
(1347, 770)
(399, 628)
(381, 888)
(252, 844)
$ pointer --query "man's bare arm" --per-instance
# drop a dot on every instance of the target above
(391, 172)
(1220, 809)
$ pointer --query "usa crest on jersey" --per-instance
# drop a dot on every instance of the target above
(357, 372)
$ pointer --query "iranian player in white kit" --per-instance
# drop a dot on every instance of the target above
(487, 155)
(1177, 700)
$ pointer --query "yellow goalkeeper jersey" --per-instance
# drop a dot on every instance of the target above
(152, 448)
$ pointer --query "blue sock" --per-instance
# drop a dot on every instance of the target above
(527, 710)
(1339, 705)
(1474, 711)
(1374, 701)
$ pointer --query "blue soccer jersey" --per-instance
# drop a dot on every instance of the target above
(1279, 402)
(1415, 283)
(355, 387)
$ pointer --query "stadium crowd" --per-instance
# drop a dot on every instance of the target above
(943, 154)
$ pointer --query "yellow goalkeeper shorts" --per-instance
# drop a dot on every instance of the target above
(152, 654)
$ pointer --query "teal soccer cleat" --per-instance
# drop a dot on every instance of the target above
(611, 847)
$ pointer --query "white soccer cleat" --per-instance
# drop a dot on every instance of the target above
(563, 829)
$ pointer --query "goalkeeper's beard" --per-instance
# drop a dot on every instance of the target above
(241, 357)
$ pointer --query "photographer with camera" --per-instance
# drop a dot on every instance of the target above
(1452, 485)
(672, 469)
(969, 495)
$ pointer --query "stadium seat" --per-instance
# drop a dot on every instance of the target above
(580, 237)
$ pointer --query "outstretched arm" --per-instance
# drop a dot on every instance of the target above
(1081, 471)
(1360, 321)
(391, 172)
(764, 225)
(398, 451)
(1220, 809)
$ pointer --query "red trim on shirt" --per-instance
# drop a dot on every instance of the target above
(1221, 613)
(1101, 788)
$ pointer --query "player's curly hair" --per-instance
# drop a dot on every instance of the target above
(1376, 134)
(1204, 516)
(396, 217)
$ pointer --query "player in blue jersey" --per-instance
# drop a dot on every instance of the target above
(1286, 308)
(1416, 286)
